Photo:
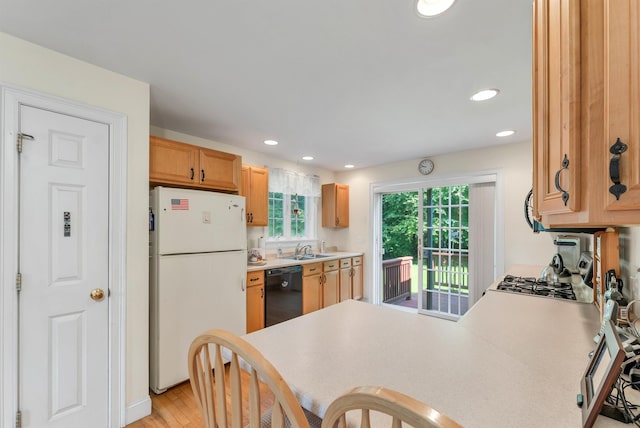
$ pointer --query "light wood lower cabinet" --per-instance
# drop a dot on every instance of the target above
(311, 287)
(345, 279)
(255, 301)
(330, 283)
(351, 281)
(357, 279)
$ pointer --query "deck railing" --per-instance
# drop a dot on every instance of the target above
(396, 279)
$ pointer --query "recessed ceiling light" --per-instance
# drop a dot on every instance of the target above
(349, 166)
(271, 142)
(433, 7)
(505, 133)
(485, 94)
(307, 157)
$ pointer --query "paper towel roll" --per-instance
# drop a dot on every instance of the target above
(263, 247)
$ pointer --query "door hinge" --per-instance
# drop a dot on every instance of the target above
(18, 419)
(21, 137)
(19, 281)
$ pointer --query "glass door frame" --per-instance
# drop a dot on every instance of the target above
(416, 184)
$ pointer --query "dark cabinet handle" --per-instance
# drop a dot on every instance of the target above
(193, 173)
(202, 175)
(565, 194)
(616, 150)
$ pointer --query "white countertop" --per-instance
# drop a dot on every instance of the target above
(282, 262)
(512, 361)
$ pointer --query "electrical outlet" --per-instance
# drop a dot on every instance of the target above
(206, 217)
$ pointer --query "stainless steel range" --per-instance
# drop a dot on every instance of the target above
(533, 286)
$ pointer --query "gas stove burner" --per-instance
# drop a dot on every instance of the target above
(533, 286)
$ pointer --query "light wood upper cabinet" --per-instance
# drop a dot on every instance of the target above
(556, 105)
(335, 205)
(172, 163)
(608, 100)
(255, 188)
(219, 170)
(179, 164)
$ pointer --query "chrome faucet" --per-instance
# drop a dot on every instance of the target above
(302, 251)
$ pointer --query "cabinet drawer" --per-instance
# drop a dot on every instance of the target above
(345, 263)
(357, 261)
(311, 269)
(255, 278)
(331, 265)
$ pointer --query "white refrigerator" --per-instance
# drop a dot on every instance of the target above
(198, 270)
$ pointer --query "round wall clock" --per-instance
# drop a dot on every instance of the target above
(425, 166)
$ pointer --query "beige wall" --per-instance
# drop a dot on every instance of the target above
(32, 67)
(512, 161)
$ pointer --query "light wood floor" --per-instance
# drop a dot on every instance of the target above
(177, 407)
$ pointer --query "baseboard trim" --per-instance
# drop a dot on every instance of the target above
(138, 410)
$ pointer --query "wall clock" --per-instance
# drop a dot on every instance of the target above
(425, 166)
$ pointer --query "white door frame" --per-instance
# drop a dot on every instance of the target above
(11, 98)
(416, 184)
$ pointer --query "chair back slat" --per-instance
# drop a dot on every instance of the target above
(235, 389)
(401, 408)
(366, 422)
(220, 388)
(277, 417)
(209, 383)
(254, 400)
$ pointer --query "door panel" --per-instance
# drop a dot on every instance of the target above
(64, 370)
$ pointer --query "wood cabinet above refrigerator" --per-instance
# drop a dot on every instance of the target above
(173, 163)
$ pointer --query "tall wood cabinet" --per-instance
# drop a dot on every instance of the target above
(255, 188)
(335, 205)
(586, 99)
(178, 164)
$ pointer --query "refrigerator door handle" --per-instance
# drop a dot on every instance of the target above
(242, 214)
(242, 284)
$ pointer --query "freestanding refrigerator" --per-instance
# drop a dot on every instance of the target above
(198, 267)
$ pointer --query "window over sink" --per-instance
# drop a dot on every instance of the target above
(293, 201)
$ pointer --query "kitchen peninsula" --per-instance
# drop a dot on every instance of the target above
(513, 360)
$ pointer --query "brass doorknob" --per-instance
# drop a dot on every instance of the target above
(97, 294)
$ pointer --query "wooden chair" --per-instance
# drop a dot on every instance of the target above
(207, 374)
(401, 408)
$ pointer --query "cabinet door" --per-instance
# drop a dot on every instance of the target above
(330, 288)
(622, 101)
(357, 282)
(556, 106)
(345, 284)
(335, 205)
(311, 293)
(259, 195)
(255, 308)
(171, 162)
(219, 170)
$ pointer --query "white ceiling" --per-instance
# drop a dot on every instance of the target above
(364, 82)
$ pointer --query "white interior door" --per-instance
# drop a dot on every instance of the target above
(64, 255)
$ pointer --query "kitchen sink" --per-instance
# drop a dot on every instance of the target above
(308, 257)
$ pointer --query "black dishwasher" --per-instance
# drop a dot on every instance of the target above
(283, 297)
